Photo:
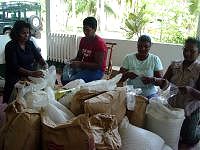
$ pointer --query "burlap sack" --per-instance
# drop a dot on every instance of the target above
(77, 101)
(111, 102)
(105, 131)
(21, 130)
(137, 117)
(73, 135)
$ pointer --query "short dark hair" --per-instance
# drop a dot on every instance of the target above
(17, 27)
(91, 22)
(192, 40)
(144, 38)
(6, 28)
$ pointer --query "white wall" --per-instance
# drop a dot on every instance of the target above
(166, 52)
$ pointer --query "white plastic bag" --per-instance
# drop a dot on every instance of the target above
(74, 84)
(130, 96)
(49, 77)
(53, 101)
(55, 114)
(36, 100)
(102, 85)
(164, 95)
(24, 88)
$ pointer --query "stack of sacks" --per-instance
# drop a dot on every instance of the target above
(165, 121)
(91, 89)
(22, 128)
(137, 116)
(40, 95)
(111, 102)
(68, 91)
(105, 131)
(70, 135)
(81, 133)
(77, 102)
(60, 128)
(134, 138)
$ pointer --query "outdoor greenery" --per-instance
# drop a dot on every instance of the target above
(168, 21)
(135, 22)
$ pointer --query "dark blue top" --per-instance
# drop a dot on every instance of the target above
(16, 57)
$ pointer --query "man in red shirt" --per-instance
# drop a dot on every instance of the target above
(90, 62)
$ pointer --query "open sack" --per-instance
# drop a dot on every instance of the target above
(165, 121)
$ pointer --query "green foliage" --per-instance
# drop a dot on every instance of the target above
(173, 35)
(194, 7)
(168, 21)
(136, 22)
(109, 10)
(88, 6)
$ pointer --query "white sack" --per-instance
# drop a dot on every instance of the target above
(166, 147)
(134, 138)
(166, 122)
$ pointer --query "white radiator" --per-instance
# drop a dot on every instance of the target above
(61, 47)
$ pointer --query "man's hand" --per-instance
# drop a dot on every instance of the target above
(148, 80)
(75, 64)
(186, 89)
(131, 75)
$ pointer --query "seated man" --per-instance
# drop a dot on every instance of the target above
(186, 76)
(90, 62)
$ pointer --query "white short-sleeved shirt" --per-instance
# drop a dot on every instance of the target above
(146, 67)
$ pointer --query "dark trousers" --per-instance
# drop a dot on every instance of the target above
(190, 131)
(8, 88)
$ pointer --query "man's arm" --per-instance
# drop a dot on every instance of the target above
(126, 74)
(97, 64)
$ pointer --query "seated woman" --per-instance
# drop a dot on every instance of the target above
(137, 66)
(90, 62)
(20, 55)
(186, 75)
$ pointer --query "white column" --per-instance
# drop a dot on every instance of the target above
(48, 24)
(74, 15)
(198, 29)
(98, 14)
(102, 16)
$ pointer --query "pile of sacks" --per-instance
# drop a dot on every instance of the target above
(88, 116)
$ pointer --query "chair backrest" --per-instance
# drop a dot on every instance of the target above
(110, 46)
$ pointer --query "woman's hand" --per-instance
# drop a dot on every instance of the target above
(37, 74)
